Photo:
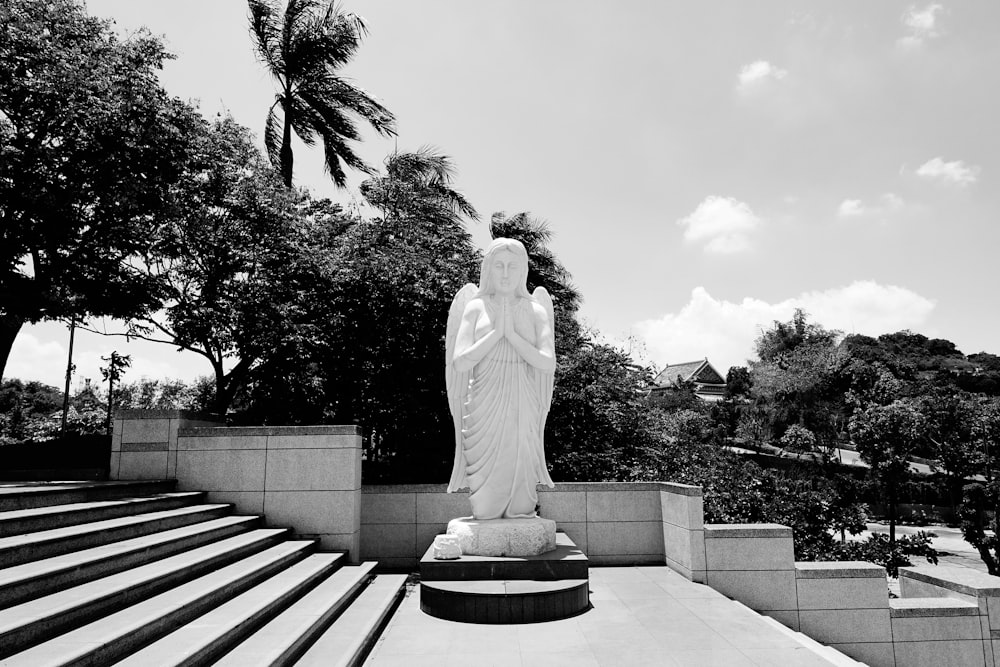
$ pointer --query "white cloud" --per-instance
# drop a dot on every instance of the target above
(722, 223)
(724, 331)
(34, 359)
(920, 24)
(855, 208)
(954, 173)
(758, 73)
(850, 208)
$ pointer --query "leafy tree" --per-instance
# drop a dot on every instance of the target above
(792, 380)
(798, 439)
(234, 260)
(738, 382)
(951, 416)
(418, 186)
(600, 426)
(886, 436)
(378, 308)
(981, 500)
(32, 412)
(89, 145)
(148, 394)
(304, 48)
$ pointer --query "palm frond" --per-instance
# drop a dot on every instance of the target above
(266, 29)
(337, 151)
(304, 121)
(330, 115)
(364, 105)
(272, 136)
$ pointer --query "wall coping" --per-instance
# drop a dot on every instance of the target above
(847, 569)
(962, 580)
(682, 489)
(141, 413)
(724, 530)
(237, 431)
(933, 607)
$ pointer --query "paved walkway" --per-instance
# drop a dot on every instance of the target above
(639, 616)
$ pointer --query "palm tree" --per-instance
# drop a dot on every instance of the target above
(418, 185)
(303, 49)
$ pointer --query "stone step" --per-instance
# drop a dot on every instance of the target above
(34, 579)
(567, 561)
(18, 549)
(119, 634)
(17, 522)
(25, 495)
(285, 637)
(504, 602)
(39, 619)
(350, 638)
(209, 636)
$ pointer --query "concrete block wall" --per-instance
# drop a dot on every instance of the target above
(939, 631)
(978, 590)
(682, 510)
(307, 478)
(144, 442)
(304, 477)
(755, 564)
(614, 523)
(846, 605)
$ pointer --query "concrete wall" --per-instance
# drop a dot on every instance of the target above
(615, 523)
(682, 511)
(965, 599)
(144, 442)
(307, 478)
(755, 564)
(946, 615)
(846, 605)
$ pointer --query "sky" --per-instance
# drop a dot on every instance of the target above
(705, 167)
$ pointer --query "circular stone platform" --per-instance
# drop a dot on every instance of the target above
(504, 537)
(504, 601)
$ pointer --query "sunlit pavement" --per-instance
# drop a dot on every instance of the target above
(952, 549)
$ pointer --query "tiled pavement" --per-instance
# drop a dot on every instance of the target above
(639, 616)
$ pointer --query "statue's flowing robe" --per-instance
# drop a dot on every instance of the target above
(501, 421)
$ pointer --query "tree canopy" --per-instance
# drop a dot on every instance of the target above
(89, 147)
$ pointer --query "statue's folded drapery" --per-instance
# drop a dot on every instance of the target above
(502, 444)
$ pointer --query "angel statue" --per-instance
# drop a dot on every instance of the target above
(500, 357)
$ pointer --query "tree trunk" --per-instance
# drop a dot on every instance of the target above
(286, 142)
(221, 402)
(10, 325)
(892, 518)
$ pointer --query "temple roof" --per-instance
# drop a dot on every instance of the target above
(692, 371)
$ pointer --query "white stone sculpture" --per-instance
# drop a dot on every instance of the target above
(500, 358)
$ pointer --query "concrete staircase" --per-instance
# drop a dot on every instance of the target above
(134, 573)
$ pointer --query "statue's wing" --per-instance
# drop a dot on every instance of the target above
(456, 382)
(545, 381)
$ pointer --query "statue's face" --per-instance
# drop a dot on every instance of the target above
(505, 270)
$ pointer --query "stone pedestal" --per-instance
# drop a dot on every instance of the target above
(504, 537)
(506, 589)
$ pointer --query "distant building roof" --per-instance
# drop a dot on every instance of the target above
(709, 383)
(691, 371)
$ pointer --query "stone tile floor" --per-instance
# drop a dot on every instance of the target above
(639, 616)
